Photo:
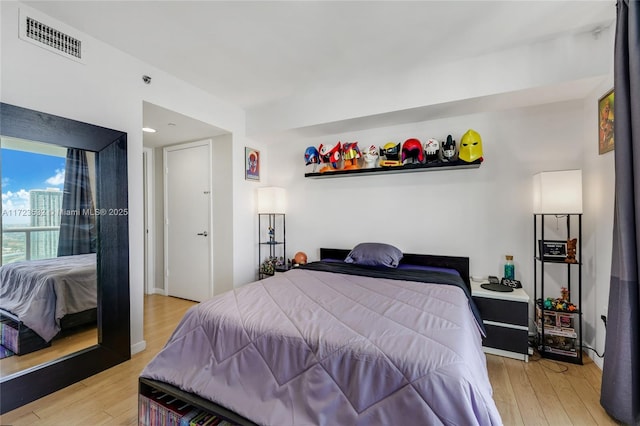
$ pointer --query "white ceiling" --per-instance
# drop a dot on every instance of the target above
(172, 127)
(252, 53)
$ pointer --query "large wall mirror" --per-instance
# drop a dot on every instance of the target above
(64, 272)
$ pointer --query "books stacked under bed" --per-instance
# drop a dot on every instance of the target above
(17, 337)
(157, 408)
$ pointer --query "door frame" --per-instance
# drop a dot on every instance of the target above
(149, 236)
(165, 151)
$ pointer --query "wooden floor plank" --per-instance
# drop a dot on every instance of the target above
(572, 404)
(128, 417)
(591, 398)
(530, 409)
(85, 337)
(18, 419)
(503, 394)
(592, 373)
(546, 395)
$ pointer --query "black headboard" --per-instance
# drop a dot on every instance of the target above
(460, 264)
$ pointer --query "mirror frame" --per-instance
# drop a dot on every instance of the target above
(114, 332)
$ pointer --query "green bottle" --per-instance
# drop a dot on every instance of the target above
(509, 268)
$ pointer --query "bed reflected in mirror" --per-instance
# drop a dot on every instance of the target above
(48, 273)
(110, 241)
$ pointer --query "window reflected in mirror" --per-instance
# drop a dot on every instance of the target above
(49, 244)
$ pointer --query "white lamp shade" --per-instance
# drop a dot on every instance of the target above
(271, 199)
(557, 192)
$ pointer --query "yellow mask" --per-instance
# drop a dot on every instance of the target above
(470, 147)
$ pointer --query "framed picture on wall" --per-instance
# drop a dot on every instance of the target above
(605, 123)
(251, 164)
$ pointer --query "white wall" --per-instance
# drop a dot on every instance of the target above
(107, 90)
(599, 185)
(222, 215)
(535, 108)
(482, 213)
(558, 63)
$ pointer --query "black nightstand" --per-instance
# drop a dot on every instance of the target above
(506, 319)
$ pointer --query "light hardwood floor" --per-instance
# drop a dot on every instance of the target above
(540, 392)
(82, 337)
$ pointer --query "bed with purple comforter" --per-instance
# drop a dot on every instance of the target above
(39, 293)
(336, 345)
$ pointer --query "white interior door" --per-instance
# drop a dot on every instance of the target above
(188, 248)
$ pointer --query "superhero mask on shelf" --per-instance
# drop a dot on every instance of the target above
(370, 157)
(431, 148)
(448, 150)
(471, 147)
(391, 152)
(412, 151)
(312, 156)
(329, 156)
(350, 155)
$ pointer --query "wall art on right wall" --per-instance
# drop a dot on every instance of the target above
(605, 123)
(251, 164)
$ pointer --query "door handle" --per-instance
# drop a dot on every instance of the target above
(204, 234)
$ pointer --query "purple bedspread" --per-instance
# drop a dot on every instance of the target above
(41, 292)
(320, 348)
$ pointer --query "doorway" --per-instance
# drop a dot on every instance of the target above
(174, 129)
(188, 220)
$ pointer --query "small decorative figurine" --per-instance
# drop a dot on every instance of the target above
(412, 152)
(272, 234)
(564, 293)
(448, 151)
(300, 258)
(268, 267)
(312, 156)
(571, 250)
(391, 152)
(557, 304)
(330, 157)
(350, 154)
(470, 147)
(370, 156)
(281, 265)
(431, 149)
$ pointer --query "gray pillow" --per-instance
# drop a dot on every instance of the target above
(375, 254)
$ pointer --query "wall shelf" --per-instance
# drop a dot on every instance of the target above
(407, 168)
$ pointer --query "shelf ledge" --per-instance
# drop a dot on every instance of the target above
(560, 261)
(428, 167)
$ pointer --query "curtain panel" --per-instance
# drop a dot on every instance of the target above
(77, 222)
(620, 393)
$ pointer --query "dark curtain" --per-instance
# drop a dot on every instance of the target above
(77, 222)
(620, 395)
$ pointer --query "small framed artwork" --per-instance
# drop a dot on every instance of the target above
(553, 249)
(251, 164)
(605, 123)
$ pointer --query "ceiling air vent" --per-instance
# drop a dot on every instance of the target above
(43, 35)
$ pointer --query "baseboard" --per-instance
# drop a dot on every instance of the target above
(138, 347)
(508, 354)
